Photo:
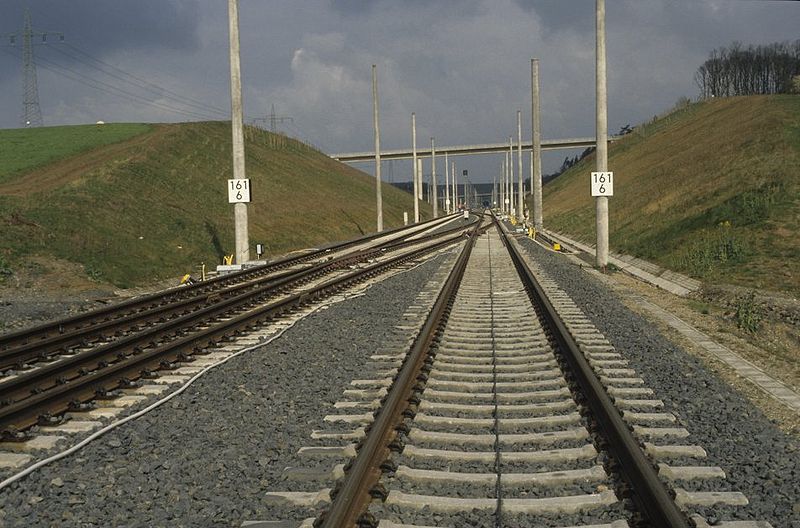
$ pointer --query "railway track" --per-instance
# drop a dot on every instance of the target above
(42, 342)
(95, 356)
(506, 408)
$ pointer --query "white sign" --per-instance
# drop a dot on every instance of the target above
(602, 184)
(239, 191)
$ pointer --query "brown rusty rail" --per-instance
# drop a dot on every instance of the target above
(70, 381)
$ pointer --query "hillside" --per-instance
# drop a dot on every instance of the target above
(712, 190)
(135, 203)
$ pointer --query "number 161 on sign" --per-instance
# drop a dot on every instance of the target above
(239, 191)
(602, 184)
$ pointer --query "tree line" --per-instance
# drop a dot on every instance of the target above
(752, 70)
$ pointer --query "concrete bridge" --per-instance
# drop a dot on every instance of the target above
(464, 150)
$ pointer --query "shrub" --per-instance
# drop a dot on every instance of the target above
(5, 269)
(748, 313)
(93, 272)
(753, 206)
(721, 246)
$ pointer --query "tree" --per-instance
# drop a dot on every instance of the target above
(737, 70)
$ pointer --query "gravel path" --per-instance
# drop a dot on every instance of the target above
(761, 461)
(207, 457)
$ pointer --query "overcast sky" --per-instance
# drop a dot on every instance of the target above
(462, 66)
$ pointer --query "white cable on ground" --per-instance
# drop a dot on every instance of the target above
(110, 427)
(30, 469)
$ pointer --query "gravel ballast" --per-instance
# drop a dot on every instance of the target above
(760, 461)
(207, 457)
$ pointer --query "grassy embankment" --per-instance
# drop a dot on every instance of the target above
(133, 203)
(711, 190)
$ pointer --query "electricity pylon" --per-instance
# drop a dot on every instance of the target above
(31, 111)
(273, 120)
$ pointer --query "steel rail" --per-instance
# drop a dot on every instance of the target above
(61, 398)
(352, 497)
(649, 494)
(72, 367)
(127, 307)
(62, 342)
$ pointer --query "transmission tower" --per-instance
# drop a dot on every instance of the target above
(273, 120)
(31, 111)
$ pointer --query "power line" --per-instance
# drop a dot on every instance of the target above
(196, 107)
(114, 81)
(192, 108)
(134, 80)
(115, 90)
(111, 89)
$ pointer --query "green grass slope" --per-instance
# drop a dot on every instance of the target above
(24, 149)
(712, 190)
(154, 205)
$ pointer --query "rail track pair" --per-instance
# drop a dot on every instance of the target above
(509, 409)
(63, 366)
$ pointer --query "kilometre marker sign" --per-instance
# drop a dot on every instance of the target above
(602, 184)
(239, 191)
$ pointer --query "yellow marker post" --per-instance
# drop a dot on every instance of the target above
(557, 246)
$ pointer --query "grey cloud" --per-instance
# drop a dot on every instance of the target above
(462, 66)
(102, 27)
(106, 26)
(558, 14)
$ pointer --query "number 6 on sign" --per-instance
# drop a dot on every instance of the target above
(602, 184)
(239, 191)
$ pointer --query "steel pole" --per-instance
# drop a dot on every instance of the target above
(511, 205)
(602, 136)
(420, 187)
(428, 195)
(508, 185)
(521, 197)
(447, 185)
(455, 184)
(502, 186)
(498, 186)
(492, 200)
(237, 130)
(434, 196)
(414, 164)
(419, 177)
(506, 208)
(503, 183)
(536, 147)
(377, 147)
